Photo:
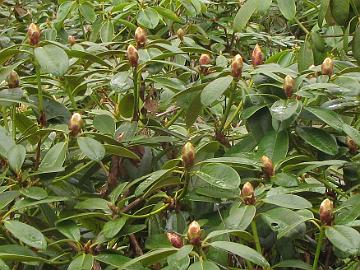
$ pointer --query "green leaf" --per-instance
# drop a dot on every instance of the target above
(7, 197)
(244, 14)
(87, 10)
(340, 11)
(3, 265)
(112, 227)
(91, 148)
(93, 204)
(70, 229)
(36, 193)
(327, 116)
(52, 59)
(120, 151)
(242, 251)
(219, 175)
(319, 139)
(16, 157)
(297, 264)
(150, 180)
(105, 124)
(82, 262)
(322, 11)
(64, 10)
(344, 238)
(215, 89)
(26, 234)
(204, 265)
(274, 145)
(288, 200)
(287, 8)
(6, 142)
(167, 13)
(148, 18)
(54, 159)
(283, 109)
(151, 257)
(305, 56)
(240, 218)
(107, 31)
(19, 254)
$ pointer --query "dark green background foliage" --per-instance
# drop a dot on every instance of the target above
(105, 195)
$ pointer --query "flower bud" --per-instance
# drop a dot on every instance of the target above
(257, 56)
(326, 212)
(140, 37)
(13, 79)
(267, 167)
(132, 55)
(327, 67)
(75, 124)
(71, 40)
(175, 240)
(237, 66)
(247, 194)
(34, 34)
(204, 59)
(352, 146)
(180, 34)
(288, 86)
(188, 155)
(194, 233)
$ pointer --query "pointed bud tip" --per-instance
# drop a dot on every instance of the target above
(180, 34)
(257, 56)
(267, 166)
(71, 40)
(13, 79)
(204, 59)
(327, 67)
(326, 212)
(175, 240)
(188, 155)
(194, 230)
(140, 37)
(237, 66)
(34, 34)
(289, 84)
(132, 55)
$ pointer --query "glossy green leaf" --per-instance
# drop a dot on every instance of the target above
(83, 262)
(26, 234)
(214, 90)
(305, 56)
(319, 139)
(16, 157)
(344, 238)
(54, 159)
(70, 229)
(244, 14)
(91, 148)
(240, 218)
(107, 31)
(274, 145)
(329, 117)
(287, 8)
(52, 59)
(87, 10)
(105, 124)
(112, 227)
(36, 193)
(148, 18)
(288, 200)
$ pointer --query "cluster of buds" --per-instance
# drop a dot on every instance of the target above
(248, 194)
(140, 37)
(132, 55)
(180, 34)
(194, 233)
(326, 212)
(175, 239)
(288, 86)
(257, 56)
(352, 146)
(71, 40)
(204, 61)
(267, 167)
(327, 67)
(13, 79)
(34, 34)
(188, 155)
(237, 66)
(75, 124)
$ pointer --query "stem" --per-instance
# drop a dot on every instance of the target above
(162, 208)
(38, 80)
(228, 106)
(104, 168)
(302, 26)
(74, 172)
(186, 185)
(256, 236)
(175, 117)
(318, 248)
(5, 118)
(236, 113)
(136, 95)
(13, 122)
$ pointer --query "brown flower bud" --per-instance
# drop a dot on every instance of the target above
(327, 67)
(140, 37)
(175, 240)
(13, 80)
(288, 86)
(257, 56)
(180, 34)
(188, 155)
(34, 34)
(247, 194)
(71, 40)
(267, 167)
(75, 124)
(326, 212)
(132, 55)
(204, 59)
(194, 233)
(237, 66)
(352, 146)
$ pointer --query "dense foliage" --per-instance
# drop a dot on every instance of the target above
(179, 134)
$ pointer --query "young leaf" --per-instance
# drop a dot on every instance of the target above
(52, 59)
